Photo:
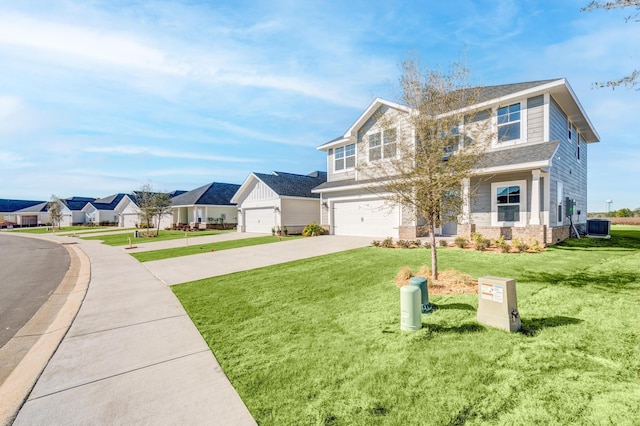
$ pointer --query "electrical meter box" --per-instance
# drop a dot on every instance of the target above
(497, 305)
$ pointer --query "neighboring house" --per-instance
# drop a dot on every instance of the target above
(119, 209)
(76, 206)
(210, 203)
(31, 213)
(267, 201)
(530, 174)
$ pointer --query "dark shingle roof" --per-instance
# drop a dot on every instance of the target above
(519, 155)
(293, 185)
(77, 203)
(108, 203)
(487, 93)
(36, 208)
(9, 206)
(212, 194)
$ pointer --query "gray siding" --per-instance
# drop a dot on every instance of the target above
(481, 195)
(535, 119)
(557, 122)
(566, 168)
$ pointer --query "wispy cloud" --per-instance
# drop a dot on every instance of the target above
(163, 153)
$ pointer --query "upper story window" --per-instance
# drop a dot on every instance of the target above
(345, 157)
(569, 131)
(509, 123)
(382, 144)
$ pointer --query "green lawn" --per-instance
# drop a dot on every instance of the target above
(196, 248)
(123, 239)
(318, 342)
(44, 230)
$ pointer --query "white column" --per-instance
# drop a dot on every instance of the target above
(535, 198)
(466, 201)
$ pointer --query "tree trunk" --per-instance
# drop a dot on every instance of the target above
(434, 257)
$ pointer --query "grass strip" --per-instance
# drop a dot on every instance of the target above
(318, 341)
(123, 239)
(147, 256)
(50, 230)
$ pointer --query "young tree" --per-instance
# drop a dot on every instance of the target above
(162, 206)
(152, 205)
(439, 144)
(144, 198)
(54, 208)
(630, 81)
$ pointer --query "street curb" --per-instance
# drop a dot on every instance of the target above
(24, 357)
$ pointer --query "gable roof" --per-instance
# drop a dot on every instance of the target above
(108, 203)
(10, 206)
(488, 93)
(284, 184)
(212, 194)
(77, 203)
(293, 185)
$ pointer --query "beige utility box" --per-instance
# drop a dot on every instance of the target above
(497, 305)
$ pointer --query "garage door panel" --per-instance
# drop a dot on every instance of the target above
(365, 218)
(259, 220)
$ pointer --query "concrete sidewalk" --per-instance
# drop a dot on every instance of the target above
(131, 356)
(198, 266)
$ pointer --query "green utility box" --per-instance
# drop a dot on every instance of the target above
(421, 282)
(497, 305)
(410, 316)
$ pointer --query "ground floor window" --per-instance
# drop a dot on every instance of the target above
(508, 203)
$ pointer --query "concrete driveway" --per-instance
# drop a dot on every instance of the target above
(190, 268)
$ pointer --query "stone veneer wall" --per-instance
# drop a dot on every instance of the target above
(558, 234)
(530, 232)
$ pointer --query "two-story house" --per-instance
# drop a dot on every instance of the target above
(532, 182)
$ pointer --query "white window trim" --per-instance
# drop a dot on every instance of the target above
(345, 168)
(523, 125)
(382, 143)
(523, 203)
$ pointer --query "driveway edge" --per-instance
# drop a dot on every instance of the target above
(25, 356)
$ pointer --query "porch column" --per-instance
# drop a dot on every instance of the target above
(466, 201)
(535, 198)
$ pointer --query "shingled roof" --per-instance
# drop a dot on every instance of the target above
(10, 206)
(212, 194)
(108, 203)
(77, 203)
(293, 185)
(519, 155)
(487, 93)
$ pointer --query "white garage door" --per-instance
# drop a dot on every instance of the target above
(259, 220)
(372, 218)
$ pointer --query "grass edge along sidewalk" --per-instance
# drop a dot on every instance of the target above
(318, 341)
(164, 235)
(195, 248)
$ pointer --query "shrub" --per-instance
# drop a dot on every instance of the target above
(460, 242)
(417, 243)
(312, 230)
(535, 246)
(404, 243)
(502, 245)
(285, 231)
(480, 243)
(387, 242)
(519, 244)
(273, 230)
(443, 243)
(376, 243)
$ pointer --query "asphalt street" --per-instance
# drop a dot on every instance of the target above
(30, 271)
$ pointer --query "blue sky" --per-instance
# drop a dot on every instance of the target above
(99, 97)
